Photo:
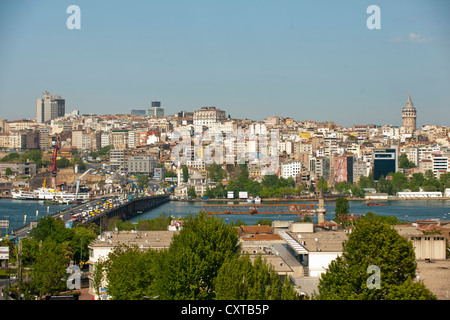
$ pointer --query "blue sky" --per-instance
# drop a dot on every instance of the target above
(309, 60)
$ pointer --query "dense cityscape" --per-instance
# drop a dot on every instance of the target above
(97, 164)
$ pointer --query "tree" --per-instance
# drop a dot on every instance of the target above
(130, 273)
(191, 192)
(404, 163)
(8, 171)
(240, 279)
(342, 207)
(366, 182)
(143, 180)
(49, 268)
(194, 257)
(373, 242)
(185, 174)
(357, 192)
(399, 182)
(98, 274)
(216, 172)
(385, 186)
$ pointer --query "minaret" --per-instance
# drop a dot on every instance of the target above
(409, 115)
(321, 208)
(179, 174)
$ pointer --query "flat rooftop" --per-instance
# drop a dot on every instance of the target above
(142, 239)
(320, 240)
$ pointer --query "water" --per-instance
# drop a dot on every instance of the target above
(404, 210)
(15, 211)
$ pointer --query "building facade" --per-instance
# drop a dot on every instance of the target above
(384, 162)
(49, 107)
(208, 115)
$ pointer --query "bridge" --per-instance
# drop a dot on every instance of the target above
(130, 208)
(300, 210)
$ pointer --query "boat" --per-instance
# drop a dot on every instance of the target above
(257, 200)
(373, 203)
(49, 194)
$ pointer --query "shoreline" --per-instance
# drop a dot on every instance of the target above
(326, 198)
(309, 199)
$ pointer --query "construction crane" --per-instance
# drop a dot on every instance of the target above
(53, 169)
(78, 182)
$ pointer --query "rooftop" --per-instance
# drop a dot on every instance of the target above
(320, 240)
(142, 239)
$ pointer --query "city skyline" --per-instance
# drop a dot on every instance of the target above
(253, 59)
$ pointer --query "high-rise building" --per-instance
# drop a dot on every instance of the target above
(49, 107)
(385, 161)
(343, 168)
(156, 110)
(409, 115)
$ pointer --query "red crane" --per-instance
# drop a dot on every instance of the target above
(53, 169)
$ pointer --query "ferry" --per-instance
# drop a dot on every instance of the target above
(49, 194)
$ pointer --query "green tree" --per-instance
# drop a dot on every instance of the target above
(194, 258)
(373, 243)
(416, 181)
(8, 171)
(130, 273)
(185, 174)
(366, 182)
(11, 157)
(155, 224)
(385, 186)
(343, 186)
(143, 180)
(98, 274)
(49, 269)
(63, 163)
(191, 192)
(399, 182)
(342, 207)
(216, 172)
(404, 163)
(357, 192)
(241, 279)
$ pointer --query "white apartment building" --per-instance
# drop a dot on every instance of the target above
(291, 169)
(105, 139)
(440, 164)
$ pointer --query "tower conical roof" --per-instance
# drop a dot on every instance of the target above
(409, 103)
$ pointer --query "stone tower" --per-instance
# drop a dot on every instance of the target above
(409, 115)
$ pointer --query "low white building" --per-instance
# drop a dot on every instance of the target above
(314, 247)
(419, 194)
